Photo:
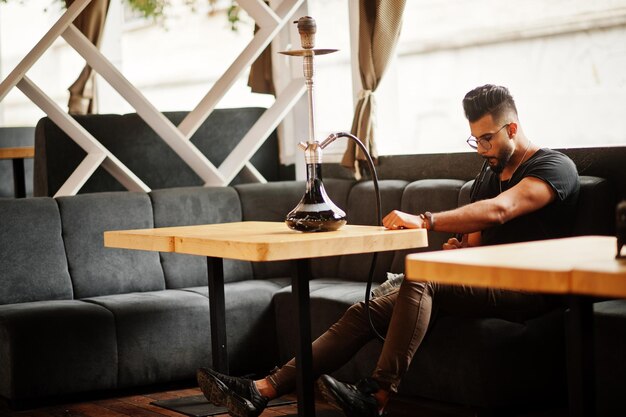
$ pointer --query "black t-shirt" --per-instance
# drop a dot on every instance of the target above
(552, 221)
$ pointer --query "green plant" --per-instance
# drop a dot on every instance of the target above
(148, 8)
(154, 9)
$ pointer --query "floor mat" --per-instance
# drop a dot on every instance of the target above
(198, 406)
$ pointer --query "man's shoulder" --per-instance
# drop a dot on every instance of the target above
(554, 158)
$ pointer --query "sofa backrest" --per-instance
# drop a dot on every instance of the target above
(53, 249)
(95, 269)
(272, 202)
(136, 145)
(361, 210)
(33, 266)
(196, 205)
(428, 195)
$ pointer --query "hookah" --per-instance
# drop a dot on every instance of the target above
(316, 212)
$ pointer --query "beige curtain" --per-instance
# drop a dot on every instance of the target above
(260, 79)
(91, 23)
(380, 22)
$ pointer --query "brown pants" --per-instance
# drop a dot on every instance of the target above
(405, 315)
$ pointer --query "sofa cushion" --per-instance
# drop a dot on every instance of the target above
(610, 356)
(196, 205)
(428, 195)
(250, 324)
(141, 149)
(95, 269)
(362, 210)
(161, 335)
(595, 214)
(330, 298)
(490, 362)
(56, 347)
(32, 257)
(272, 202)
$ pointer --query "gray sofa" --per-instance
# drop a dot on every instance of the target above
(78, 317)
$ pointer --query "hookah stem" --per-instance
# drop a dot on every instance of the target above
(309, 71)
(370, 278)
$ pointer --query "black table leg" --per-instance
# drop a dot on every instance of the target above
(217, 309)
(580, 357)
(19, 178)
(304, 362)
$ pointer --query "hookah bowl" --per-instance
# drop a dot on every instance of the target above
(316, 212)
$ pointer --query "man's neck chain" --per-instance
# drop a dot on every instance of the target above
(518, 164)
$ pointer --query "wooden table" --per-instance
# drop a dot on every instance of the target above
(18, 155)
(261, 242)
(577, 267)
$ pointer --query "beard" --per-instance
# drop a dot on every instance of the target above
(499, 162)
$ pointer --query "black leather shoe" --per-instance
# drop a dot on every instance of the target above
(239, 395)
(354, 400)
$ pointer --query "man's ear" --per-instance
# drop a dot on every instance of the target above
(512, 129)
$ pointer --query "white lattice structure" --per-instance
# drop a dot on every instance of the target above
(271, 20)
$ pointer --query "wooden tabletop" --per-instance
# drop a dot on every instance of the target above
(265, 241)
(601, 278)
(582, 265)
(17, 152)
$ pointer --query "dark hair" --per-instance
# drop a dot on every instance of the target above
(488, 99)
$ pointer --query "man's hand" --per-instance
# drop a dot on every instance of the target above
(400, 220)
(469, 240)
(453, 243)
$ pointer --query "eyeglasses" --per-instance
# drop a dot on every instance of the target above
(484, 140)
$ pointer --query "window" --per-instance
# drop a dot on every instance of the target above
(564, 62)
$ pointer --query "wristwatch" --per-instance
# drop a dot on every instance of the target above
(429, 220)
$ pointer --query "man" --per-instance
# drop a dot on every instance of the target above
(522, 193)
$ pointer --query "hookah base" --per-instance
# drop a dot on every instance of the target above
(315, 225)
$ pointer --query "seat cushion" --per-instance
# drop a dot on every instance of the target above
(250, 324)
(490, 362)
(32, 256)
(52, 348)
(95, 269)
(330, 298)
(196, 205)
(161, 335)
(610, 356)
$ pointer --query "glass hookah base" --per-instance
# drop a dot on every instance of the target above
(314, 223)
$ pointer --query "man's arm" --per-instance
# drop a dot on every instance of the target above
(529, 195)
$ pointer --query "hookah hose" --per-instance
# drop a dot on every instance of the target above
(379, 219)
